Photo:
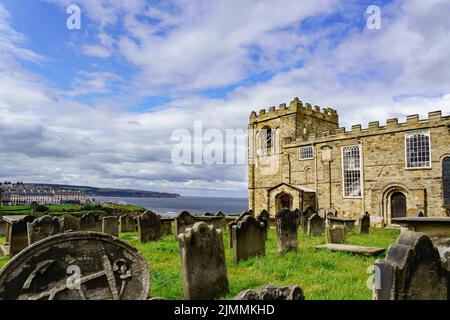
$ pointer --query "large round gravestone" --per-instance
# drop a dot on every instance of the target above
(76, 266)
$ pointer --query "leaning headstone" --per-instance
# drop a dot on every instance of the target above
(316, 225)
(126, 223)
(364, 223)
(108, 269)
(110, 225)
(203, 262)
(412, 270)
(69, 223)
(335, 234)
(249, 239)
(287, 230)
(183, 221)
(304, 215)
(272, 293)
(91, 222)
(42, 228)
(233, 223)
(149, 227)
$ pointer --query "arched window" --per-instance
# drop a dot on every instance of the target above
(266, 140)
(446, 180)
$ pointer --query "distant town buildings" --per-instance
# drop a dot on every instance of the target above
(23, 194)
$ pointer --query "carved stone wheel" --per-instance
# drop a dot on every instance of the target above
(76, 266)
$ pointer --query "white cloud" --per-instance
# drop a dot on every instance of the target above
(366, 75)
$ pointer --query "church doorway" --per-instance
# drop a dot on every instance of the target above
(284, 200)
(398, 205)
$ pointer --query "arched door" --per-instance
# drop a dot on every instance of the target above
(284, 201)
(446, 181)
(398, 205)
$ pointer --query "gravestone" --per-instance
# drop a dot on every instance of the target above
(91, 221)
(183, 221)
(34, 206)
(107, 268)
(322, 213)
(110, 225)
(364, 223)
(2, 228)
(287, 230)
(272, 293)
(412, 270)
(349, 224)
(69, 223)
(220, 214)
(166, 224)
(249, 238)
(335, 234)
(149, 227)
(203, 262)
(264, 216)
(233, 223)
(16, 234)
(331, 212)
(421, 214)
(42, 228)
(126, 223)
(316, 225)
(304, 215)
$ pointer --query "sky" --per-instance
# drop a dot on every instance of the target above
(99, 105)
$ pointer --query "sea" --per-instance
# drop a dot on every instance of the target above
(194, 205)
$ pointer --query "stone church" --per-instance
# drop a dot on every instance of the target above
(299, 157)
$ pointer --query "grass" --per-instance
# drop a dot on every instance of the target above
(77, 210)
(322, 275)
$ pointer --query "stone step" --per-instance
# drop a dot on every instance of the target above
(366, 251)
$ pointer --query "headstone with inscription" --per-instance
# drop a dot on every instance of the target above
(76, 266)
(42, 228)
(203, 262)
(287, 230)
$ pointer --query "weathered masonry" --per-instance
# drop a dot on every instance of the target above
(299, 157)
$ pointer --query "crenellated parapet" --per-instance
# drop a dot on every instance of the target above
(413, 122)
(295, 106)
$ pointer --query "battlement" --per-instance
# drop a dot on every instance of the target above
(295, 106)
(412, 122)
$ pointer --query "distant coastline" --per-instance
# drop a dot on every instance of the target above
(111, 192)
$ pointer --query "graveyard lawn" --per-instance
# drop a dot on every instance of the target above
(74, 209)
(322, 275)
